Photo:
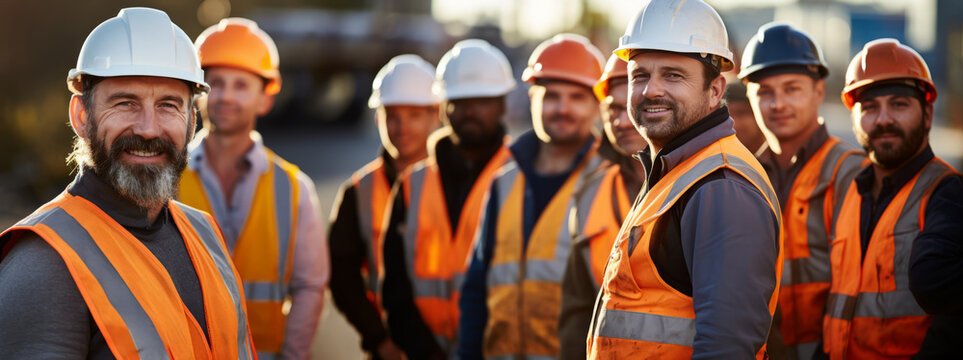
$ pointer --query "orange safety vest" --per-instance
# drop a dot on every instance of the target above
(264, 250)
(436, 256)
(642, 317)
(373, 190)
(806, 228)
(130, 294)
(525, 285)
(871, 313)
(599, 210)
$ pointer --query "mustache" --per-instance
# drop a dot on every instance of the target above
(566, 118)
(887, 130)
(138, 143)
(656, 102)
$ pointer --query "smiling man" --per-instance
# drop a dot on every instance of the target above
(267, 208)
(113, 268)
(784, 73)
(695, 268)
(903, 217)
(512, 295)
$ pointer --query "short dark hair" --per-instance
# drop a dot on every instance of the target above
(710, 73)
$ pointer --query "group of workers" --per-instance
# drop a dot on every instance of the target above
(683, 230)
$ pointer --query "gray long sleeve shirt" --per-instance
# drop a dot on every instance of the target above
(718, 244)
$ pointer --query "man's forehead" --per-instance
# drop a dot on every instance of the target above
(654, 60)
(144, 86)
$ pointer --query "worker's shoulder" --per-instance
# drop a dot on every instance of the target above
(32, 262)
(727, 183)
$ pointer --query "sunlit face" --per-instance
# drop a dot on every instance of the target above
(404, 129)
(787, 105)
(668, 94)
(475, 122)
(615, 119)
(563, 112)
(236, 100)
(891, 128)
(136, 134)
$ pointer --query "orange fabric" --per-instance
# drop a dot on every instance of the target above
(603, 224)
(802, 304)
(614, 68)
(632, 282)
(867, 277)
(567, 57)
(150, 284)
(883, 60)
(380, 193)
(440, 253)
(239, 43)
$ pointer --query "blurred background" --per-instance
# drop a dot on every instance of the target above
(331, 49)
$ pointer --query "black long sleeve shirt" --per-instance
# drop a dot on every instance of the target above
(348, 251)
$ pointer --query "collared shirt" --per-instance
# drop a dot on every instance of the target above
(311, 268)
(782, 179)
(44, 314)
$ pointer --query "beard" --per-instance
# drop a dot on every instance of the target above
(666, 130)
(891, 156)
(147, 185)
(475, 140)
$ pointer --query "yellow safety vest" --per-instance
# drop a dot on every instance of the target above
(524, 285)
(264, 250)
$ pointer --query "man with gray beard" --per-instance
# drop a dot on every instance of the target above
(113, 268)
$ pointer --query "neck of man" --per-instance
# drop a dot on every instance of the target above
(633, 176)
(402, 163)
(555, 158)
(225, 154)
(789, 147)
(880, 173)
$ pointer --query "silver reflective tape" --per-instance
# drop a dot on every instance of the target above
(221, 260)
(264, 291)
(630, 325)
(141, 328)
(283, 213)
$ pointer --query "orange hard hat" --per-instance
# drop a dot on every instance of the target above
(614, 68)
(239, 43)
(886, 60)
(568, 57)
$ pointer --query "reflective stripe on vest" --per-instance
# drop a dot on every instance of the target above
(125, 286)
(373, 189)
(642, 316)
(871, 312)
(436, 255)
(264, 250)
(805, 231)
(601, 205)
(524, 284)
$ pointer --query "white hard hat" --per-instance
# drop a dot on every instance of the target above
(682, 26)
(404, 80)
(138, 42)
(473, 68)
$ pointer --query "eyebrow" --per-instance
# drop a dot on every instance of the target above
(667, 68)
(130, 96)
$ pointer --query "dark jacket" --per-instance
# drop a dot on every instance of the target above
(348, 251)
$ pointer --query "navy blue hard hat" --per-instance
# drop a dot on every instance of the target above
(779, 48)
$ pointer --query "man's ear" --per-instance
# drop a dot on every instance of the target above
(717, 88)
(266, 103)
(78, 116)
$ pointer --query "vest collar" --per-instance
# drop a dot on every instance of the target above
(704, 132)
(255, 156)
